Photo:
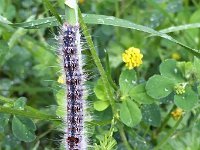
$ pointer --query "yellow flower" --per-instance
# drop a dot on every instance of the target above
(132, 57)
(176, 56)
(61, 80)
(81, 1)
(177, 113)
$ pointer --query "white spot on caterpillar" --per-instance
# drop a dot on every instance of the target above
(166, 90)
(126, 80)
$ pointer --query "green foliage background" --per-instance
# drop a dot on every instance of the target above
(32, 100)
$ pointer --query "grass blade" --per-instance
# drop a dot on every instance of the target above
(39, 23)
(110, 20)
(53, 11)
(113, 21)
(181, 27)
(30, 114)
(4, 20)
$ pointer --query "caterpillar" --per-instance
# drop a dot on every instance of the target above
(74, 138)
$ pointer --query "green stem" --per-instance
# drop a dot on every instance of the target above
(165, 120)
(168, 135)
(53, 10)
(117, 15)
(199, 41)
(195, 4)
(28, 113)
(98, 63)
(146, 131)
(124, 139)
(108, 72)
(104, 77)
(44, 134)
(5, 100)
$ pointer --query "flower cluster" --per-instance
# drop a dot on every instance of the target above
(177, 113)
(179, 88)
(132, 57)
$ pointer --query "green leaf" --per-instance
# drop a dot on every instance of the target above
(130, 114)
(20, 103)
(198, 88)
(23, 129)
(10, 11)
(61, 101)
(4, 20)
(60, 111)
(4, 50)
(196, 67)
(4, 118)
(53, 10)
(187, 69)
(107, 142)
(159, 86)
(186, 141)
(2, 6)
(139, 94)
(127, 80)
(151, 114)
(100, 91)
(187, 100)
(101, 105)
(60, 97)
(16, 36)
(194, 17)
(169, 69)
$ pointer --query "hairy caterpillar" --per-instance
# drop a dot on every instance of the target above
(74, 138)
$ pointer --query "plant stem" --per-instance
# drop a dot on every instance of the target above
(108, 72)
(146, 131)
(53, 11)
(117, 15)
(123, 136)
(165, 120)
(168, 135)
(104, 77)
(98, 64)
(5, 100)
(28, 113)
